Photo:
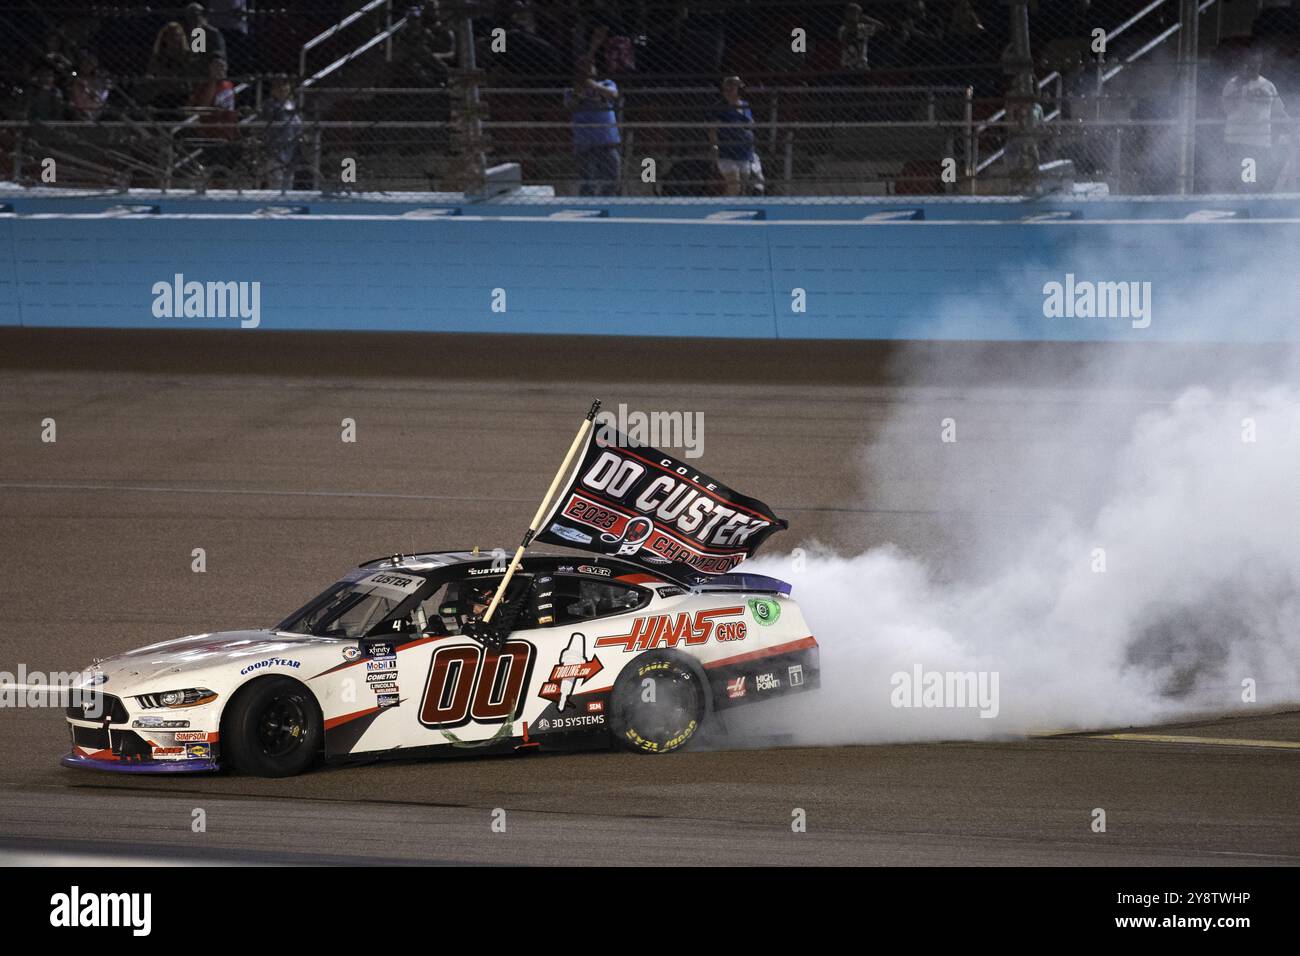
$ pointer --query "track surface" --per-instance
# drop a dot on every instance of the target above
(232, 443)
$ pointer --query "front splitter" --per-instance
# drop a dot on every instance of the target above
(197, 765)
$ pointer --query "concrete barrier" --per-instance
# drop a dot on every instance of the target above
(1197, 272)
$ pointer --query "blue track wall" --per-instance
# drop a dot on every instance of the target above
(943, 270)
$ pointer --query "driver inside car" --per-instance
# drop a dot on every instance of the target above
(471, 604)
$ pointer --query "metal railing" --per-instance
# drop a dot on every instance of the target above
(1135, 156)
(818, 119)
(384, 36)
(1104, 75)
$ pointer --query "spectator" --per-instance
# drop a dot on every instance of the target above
(596, 138)
(231, 18)
(214, 100)
(88, 92)
(732, 141)
(54, 56)
(44, 100)
(282, 136)
(170, 56)
(616, 48)
(171, 70)
(214, 42)
(1251, 104)
(854, 34)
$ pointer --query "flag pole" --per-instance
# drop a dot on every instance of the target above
(542, 509)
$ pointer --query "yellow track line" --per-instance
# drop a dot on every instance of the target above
(1213, 741)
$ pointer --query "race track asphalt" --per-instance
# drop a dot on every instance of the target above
(231, 442)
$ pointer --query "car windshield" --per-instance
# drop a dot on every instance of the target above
(352, 609)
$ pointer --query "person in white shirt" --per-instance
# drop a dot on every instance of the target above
(1251, 106)
(855, 34)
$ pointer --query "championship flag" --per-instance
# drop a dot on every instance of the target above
(637, 502)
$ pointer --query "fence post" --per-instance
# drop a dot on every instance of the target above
(315, 159)
(467, 125)
(19, 144)
(169, 159)
(968, 117)
(1020, 154)
(772, 116)
(1188, 41)
(627, 164)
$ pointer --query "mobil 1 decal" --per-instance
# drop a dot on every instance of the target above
(637, 502)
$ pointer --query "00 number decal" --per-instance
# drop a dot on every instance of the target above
(471, 683)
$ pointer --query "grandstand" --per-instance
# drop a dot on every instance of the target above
(881, 97)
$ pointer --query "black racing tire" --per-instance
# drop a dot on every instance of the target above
(272, 728)
(665, 720)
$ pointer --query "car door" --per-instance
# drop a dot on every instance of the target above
(467, 694)
(570, 684)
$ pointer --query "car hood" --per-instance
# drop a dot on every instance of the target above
(202, 652)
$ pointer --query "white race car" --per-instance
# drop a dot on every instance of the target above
(592, 651)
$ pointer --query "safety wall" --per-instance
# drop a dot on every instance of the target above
(1204, 271)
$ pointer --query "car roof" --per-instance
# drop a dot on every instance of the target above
(426, 563)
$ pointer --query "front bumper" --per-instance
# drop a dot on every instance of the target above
(86, 762)
(117, 743)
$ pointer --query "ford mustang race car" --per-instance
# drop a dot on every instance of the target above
(593, 651)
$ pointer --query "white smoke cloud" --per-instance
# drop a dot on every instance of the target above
(1200, 528)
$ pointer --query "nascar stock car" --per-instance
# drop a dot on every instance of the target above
(600, 650)
(450, 652)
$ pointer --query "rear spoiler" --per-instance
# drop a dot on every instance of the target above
(743, 582)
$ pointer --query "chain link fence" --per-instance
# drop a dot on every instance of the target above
(653, 97)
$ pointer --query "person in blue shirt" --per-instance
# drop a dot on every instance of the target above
(731, 139)
(596, 138)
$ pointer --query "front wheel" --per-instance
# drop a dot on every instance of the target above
(657, 704)
(273, 728)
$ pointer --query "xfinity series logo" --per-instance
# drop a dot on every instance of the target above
(76, 909)
(179, 299)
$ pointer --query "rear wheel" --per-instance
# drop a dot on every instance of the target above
(273, 728)
(657, 704)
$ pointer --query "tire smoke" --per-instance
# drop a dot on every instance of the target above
(1162, 582)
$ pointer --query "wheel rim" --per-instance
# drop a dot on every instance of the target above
(671, 712)
(282, 725)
